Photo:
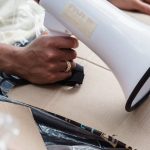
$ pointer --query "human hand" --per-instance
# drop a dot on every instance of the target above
(44, 60)
(37, 1)
(142, 6)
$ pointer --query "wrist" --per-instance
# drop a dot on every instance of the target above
(8, 58)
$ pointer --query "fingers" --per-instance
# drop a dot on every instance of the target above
(51, 78)
(64, 66)
(147, 1)
(61, 48)
(67, 54)
(63, 42)
(60, 66)
(143, 7)
(58, 73)
(45, 59)
(60, 76)
(61, 55)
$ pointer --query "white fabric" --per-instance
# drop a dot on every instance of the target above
(19, 19)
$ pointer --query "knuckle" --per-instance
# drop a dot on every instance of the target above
(52, 66)
(51, 55)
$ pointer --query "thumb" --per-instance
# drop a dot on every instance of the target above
(143, 7)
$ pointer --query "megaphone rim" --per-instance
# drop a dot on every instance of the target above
(136, 90)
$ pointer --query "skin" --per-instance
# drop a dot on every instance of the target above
(37, 1)
(44, 60)
(41, 62)
(133, 5)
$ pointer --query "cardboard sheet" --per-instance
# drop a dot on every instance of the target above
(29, 134)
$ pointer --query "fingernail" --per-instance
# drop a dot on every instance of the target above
(76, 44)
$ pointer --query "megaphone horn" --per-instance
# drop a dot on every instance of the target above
(119, 40)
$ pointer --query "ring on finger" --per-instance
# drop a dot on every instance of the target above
(68, 68)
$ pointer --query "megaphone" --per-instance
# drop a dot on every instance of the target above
(119, 40)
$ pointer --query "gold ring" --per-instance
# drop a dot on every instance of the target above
(68, 68)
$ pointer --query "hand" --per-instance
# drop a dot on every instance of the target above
(37, 1)
(135, 5)
(44, 60)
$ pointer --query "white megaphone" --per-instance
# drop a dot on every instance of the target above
(122, 42)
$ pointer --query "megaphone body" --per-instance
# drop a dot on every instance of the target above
(119, 40)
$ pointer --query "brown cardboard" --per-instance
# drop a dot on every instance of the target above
(98, 103)
(29, 134)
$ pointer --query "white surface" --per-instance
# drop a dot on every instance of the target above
(122, 42)
(29, 133)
